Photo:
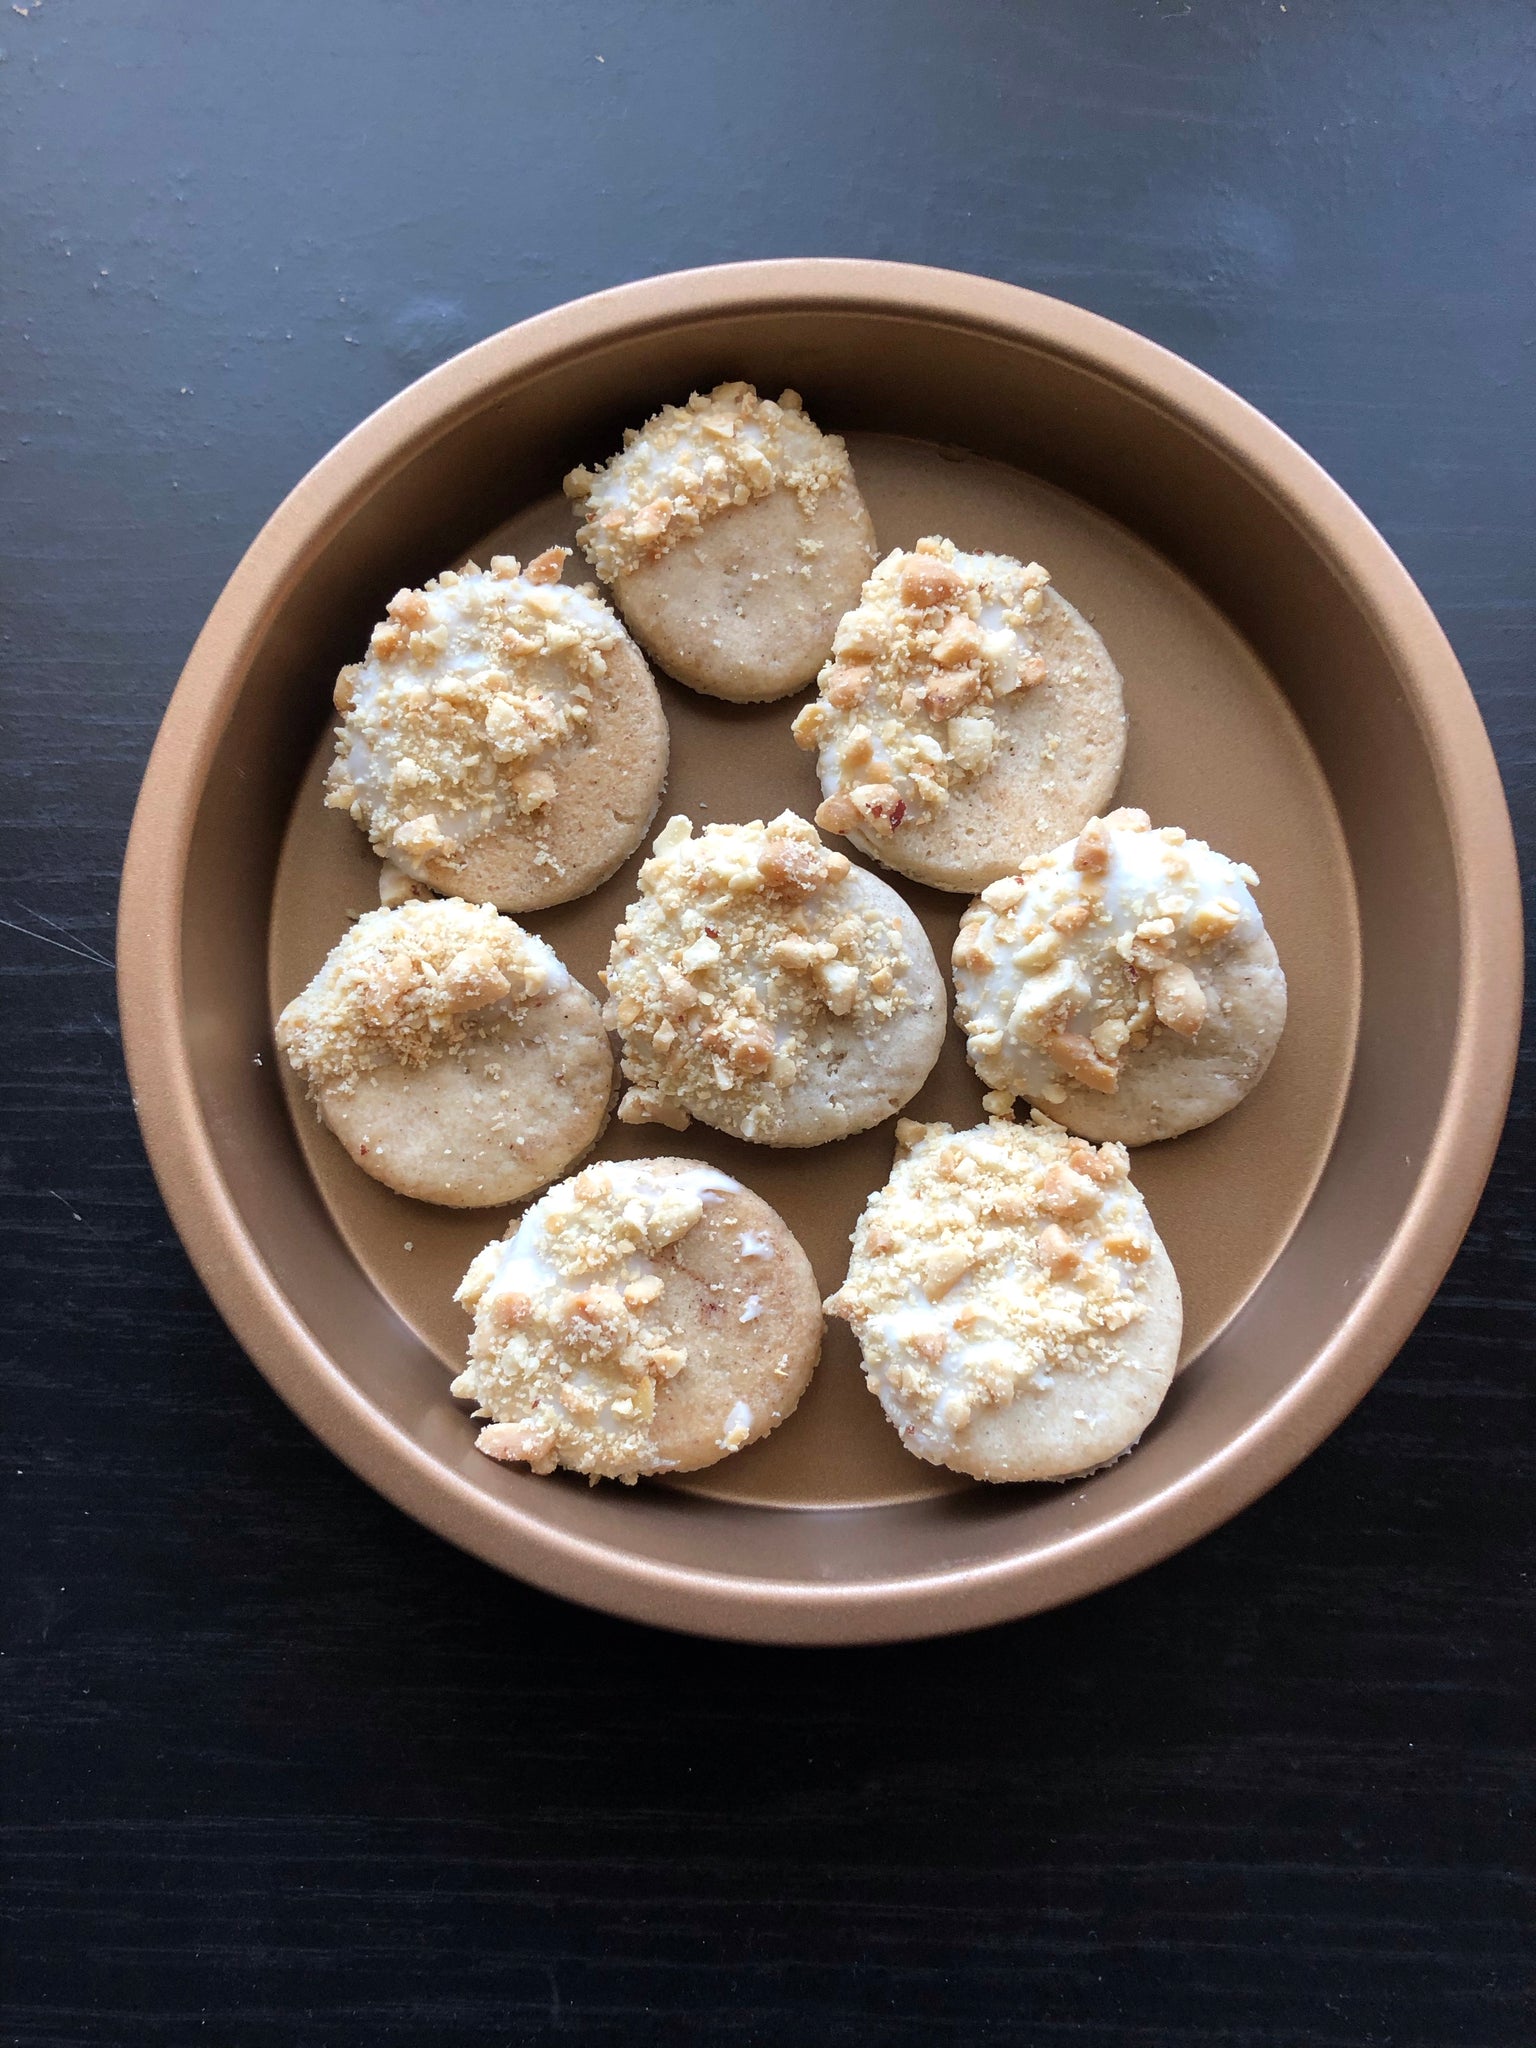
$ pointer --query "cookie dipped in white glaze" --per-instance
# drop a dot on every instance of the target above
(1017, 1313)
(646, 1316)
(451, 1053)
(1124, 983)
(969, 717)
(733, 537)
(502, 740)
(764, 985)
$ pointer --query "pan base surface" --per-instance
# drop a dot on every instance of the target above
(1214, 747)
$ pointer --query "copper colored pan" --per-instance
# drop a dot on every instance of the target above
(1293, 701)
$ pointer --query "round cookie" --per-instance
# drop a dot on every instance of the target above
(1124, 983)
(969, 717)
(452, 1054)
(648, 1315)
(1017, 1312)
(733, 537)
(502, 740)
(766, 986)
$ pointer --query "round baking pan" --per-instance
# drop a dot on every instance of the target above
(1292, 701)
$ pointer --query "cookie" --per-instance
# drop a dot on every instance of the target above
(452, 1054)
(648, 1315)
(969, 717)
(1018, 1315)
(766, 986)
(733, 537)
(1125, 983)
(502, 740)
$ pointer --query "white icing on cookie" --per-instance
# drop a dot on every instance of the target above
(904, 711)
(468, 687)
(690, 462)
(1068, 969)
(411, 984)
(992, 1283)
(565, 1361)
(748, 945)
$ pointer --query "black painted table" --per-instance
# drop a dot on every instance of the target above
(281, 1767)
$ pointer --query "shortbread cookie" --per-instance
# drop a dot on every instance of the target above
(1124, 983)
(1018, 1315)
(649, 1315)
(969, 717)
(452, 1054)
(733, 537)
(502, 740)
(768, 987)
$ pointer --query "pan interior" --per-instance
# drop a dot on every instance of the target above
(1214, 747)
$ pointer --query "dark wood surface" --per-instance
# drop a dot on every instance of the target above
(282, 1768)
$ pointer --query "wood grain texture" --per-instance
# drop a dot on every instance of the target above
(282, 1768)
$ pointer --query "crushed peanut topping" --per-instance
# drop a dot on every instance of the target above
(690, 462)
(993, 1262)
(917, 668)
(409, 984)
(746, 946)
(572, 1336)
(1070, 967)
(469, 686)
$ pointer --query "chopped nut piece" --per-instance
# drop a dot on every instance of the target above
(1212, 922)
(944, 1267)
(1075, 1055)
(1178, 999)
(797, 868)
(1064, 1192)
(840, 984)
(847, 688)
(512, 1308)
(472, 979)
(1058, 1254)
(1091, 854)
(947, 698)
(751, 1051)
(837, 814)
(645, 1106)
(927, 581)
(877, 804)
(396, 887)
(546, 568)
